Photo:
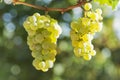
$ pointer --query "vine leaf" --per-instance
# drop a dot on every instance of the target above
(112, 3)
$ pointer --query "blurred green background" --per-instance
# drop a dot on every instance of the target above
(16, 59)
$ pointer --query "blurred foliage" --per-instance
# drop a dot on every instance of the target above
(16, 60)
(112, 3)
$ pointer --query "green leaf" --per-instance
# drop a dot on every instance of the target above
(112, 3)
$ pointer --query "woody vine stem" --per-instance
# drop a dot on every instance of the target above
(62, 10)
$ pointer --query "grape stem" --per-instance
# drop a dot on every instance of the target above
(62, 10)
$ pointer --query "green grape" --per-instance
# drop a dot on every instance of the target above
(42, 64)
(75, 26)
(74, 36)
(94, 16)
(46, 33)
(77, 52)
(87, 6)
(89, 46)
(39, 38)
(33, 26)
(78, 44)
(49, 63)
(31, 32)
(88, 14)
(37, 54)
(37, 15)
(36, 64)
(26, 25)
(83, 31)
(51, 55)
(87, 57)
(87, 37)
(85, 21)
(95, 27)
(48, 45)
(92, 52)
(55, 29)
(43, 33)
(99, 11)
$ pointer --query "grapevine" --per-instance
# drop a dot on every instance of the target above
(43, 32)
(83, 30)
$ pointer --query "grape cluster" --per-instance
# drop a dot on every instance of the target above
(43, 32)
(83, 30)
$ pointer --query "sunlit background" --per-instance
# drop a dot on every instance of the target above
(16, 59)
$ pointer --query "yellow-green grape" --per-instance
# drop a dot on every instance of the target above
(49, 63)
(87, 6)
(85, 21)
(92, 52)
(83, 31)
(75, 26)
(39, 38)
(94, 16)
(79, 44)
(87, 57)
(36, 64)
(78, 52)
(95, 27)
(87, 37)
(74, 36)
(99, 11)
(48, 45)
(43, 33)
(88, 14)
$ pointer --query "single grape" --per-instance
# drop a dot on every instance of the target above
(78, 52)
(87, 6)
(87, 57)
(99, 11)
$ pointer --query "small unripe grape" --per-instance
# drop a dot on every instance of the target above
(94, 16)
(87, 6)
(99, 11)
(88, 14)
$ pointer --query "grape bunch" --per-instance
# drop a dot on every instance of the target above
(43, 32)
(83, 30)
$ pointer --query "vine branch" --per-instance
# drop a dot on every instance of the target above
(80, 3)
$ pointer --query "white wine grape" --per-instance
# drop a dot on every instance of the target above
(43, 32)
(83, 30)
